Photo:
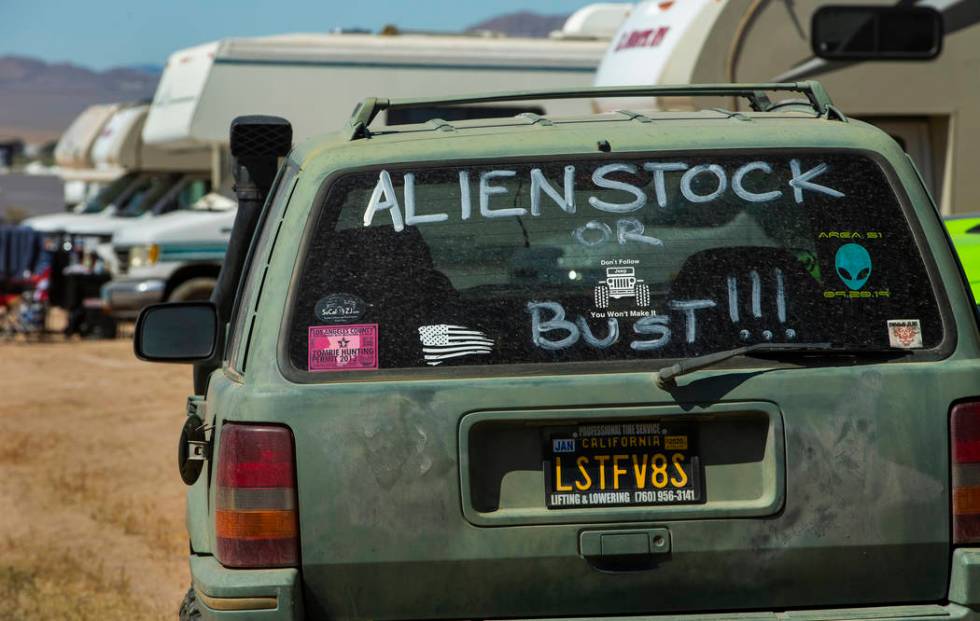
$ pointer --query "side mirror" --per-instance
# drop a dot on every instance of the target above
(876, 32)
(176, 332)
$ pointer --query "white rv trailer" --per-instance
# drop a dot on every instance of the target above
(595, 21)
(931, 107)
(73, 153)
(129, 170)
(120, 147)
(74, 148)
(315, 80)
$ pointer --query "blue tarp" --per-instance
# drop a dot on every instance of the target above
(21, 252)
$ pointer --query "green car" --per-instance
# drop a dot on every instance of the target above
(965, 233)
(712, 365)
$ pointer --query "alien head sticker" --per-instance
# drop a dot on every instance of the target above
(853, 265)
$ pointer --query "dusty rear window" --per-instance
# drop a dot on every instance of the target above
(584, 261)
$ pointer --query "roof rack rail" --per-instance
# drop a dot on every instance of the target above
(369, 108)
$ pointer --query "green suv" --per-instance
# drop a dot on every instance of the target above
(419, 398)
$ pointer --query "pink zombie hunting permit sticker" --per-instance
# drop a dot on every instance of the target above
(343, 348)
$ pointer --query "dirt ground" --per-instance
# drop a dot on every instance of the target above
(91, 504)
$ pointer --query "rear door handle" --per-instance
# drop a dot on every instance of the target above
(624, 550)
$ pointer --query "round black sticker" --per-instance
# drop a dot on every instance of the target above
(339, 308)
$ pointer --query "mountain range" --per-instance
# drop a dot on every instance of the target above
(38, 100)
(522, 24)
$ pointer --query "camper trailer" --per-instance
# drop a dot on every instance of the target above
(930, 107)
(73, 153)
(315, 80)
(138, 179)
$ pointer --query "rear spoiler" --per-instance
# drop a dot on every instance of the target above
(816, 95)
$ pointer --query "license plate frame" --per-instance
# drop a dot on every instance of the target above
(623, 466)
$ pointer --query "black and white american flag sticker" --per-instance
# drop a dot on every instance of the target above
(443, 342)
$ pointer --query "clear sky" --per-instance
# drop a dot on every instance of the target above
(105, 33)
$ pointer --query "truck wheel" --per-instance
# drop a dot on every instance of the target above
(193, 289)
(643, 295)
(189, 610)
(602, 296)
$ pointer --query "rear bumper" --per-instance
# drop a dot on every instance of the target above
(274, 594)
(950, 612)
(254, 594)
(124, 299)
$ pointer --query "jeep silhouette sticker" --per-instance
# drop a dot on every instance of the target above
(621, 282)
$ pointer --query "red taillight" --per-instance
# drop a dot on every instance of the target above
(964, 427)
(255, 509)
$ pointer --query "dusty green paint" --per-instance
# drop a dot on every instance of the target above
(210, 578)
(874, 432)
(198, 526)
(964, 582)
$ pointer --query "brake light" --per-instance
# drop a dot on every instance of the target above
(256, 521)
(965, 437)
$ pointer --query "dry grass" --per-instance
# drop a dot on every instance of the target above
(59, 585)
(92, 526)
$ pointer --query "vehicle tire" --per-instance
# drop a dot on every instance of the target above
(643, 295)
(189, 609)
(602, 296)
(193, 289)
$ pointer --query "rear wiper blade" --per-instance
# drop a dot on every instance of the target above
(667, 375)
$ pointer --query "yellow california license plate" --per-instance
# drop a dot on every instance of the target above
(622, 464)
